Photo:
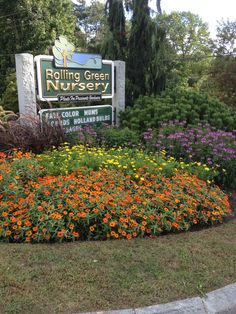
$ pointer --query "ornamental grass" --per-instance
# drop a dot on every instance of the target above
(103, 204)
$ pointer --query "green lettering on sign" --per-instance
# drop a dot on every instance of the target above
(73, 119)
(54, 83)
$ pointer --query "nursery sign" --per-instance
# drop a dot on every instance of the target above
(73, 76)
(72, 119)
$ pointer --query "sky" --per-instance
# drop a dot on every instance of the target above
(209, 10)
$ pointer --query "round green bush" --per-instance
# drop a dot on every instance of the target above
(191, 106)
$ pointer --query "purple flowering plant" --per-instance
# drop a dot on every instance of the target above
(202, 143)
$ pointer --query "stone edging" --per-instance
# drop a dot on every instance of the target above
(220, 301)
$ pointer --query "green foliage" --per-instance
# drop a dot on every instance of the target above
(115, 42)
(145, 73)
(192, 106)
(113, 137)
(9, 100)
(92, 23)
(188, 37)
(222, 80)
(32, 26)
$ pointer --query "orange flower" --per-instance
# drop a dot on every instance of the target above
(112, 224)
(75, 234)
(129, 237)
(71, 226)
(60, 234)
(36, 228)
(105, 220)
(4, 214)
(46, 192)
(6, 223)
(8, 232)
(29, 233)
(91, 228)
(13, 219)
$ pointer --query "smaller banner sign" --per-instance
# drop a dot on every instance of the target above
(66, 98)
(73, 119)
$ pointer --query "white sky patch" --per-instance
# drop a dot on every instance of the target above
(210, 11)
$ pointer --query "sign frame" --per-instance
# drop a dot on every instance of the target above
(40, 97)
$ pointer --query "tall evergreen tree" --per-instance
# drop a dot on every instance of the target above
(138, 49)
(115, 41)
(145, 65)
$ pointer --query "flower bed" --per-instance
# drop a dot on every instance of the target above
(107, 203)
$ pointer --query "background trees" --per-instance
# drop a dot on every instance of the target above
(189, 39)
(161, 51)
(32, 26)
(223, 68)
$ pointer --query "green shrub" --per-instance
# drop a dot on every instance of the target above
(9, 99)
(114, 137)
(191, 106)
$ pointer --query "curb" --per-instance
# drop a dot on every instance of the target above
(220, 301)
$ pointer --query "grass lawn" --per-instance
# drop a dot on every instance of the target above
(86, 276)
